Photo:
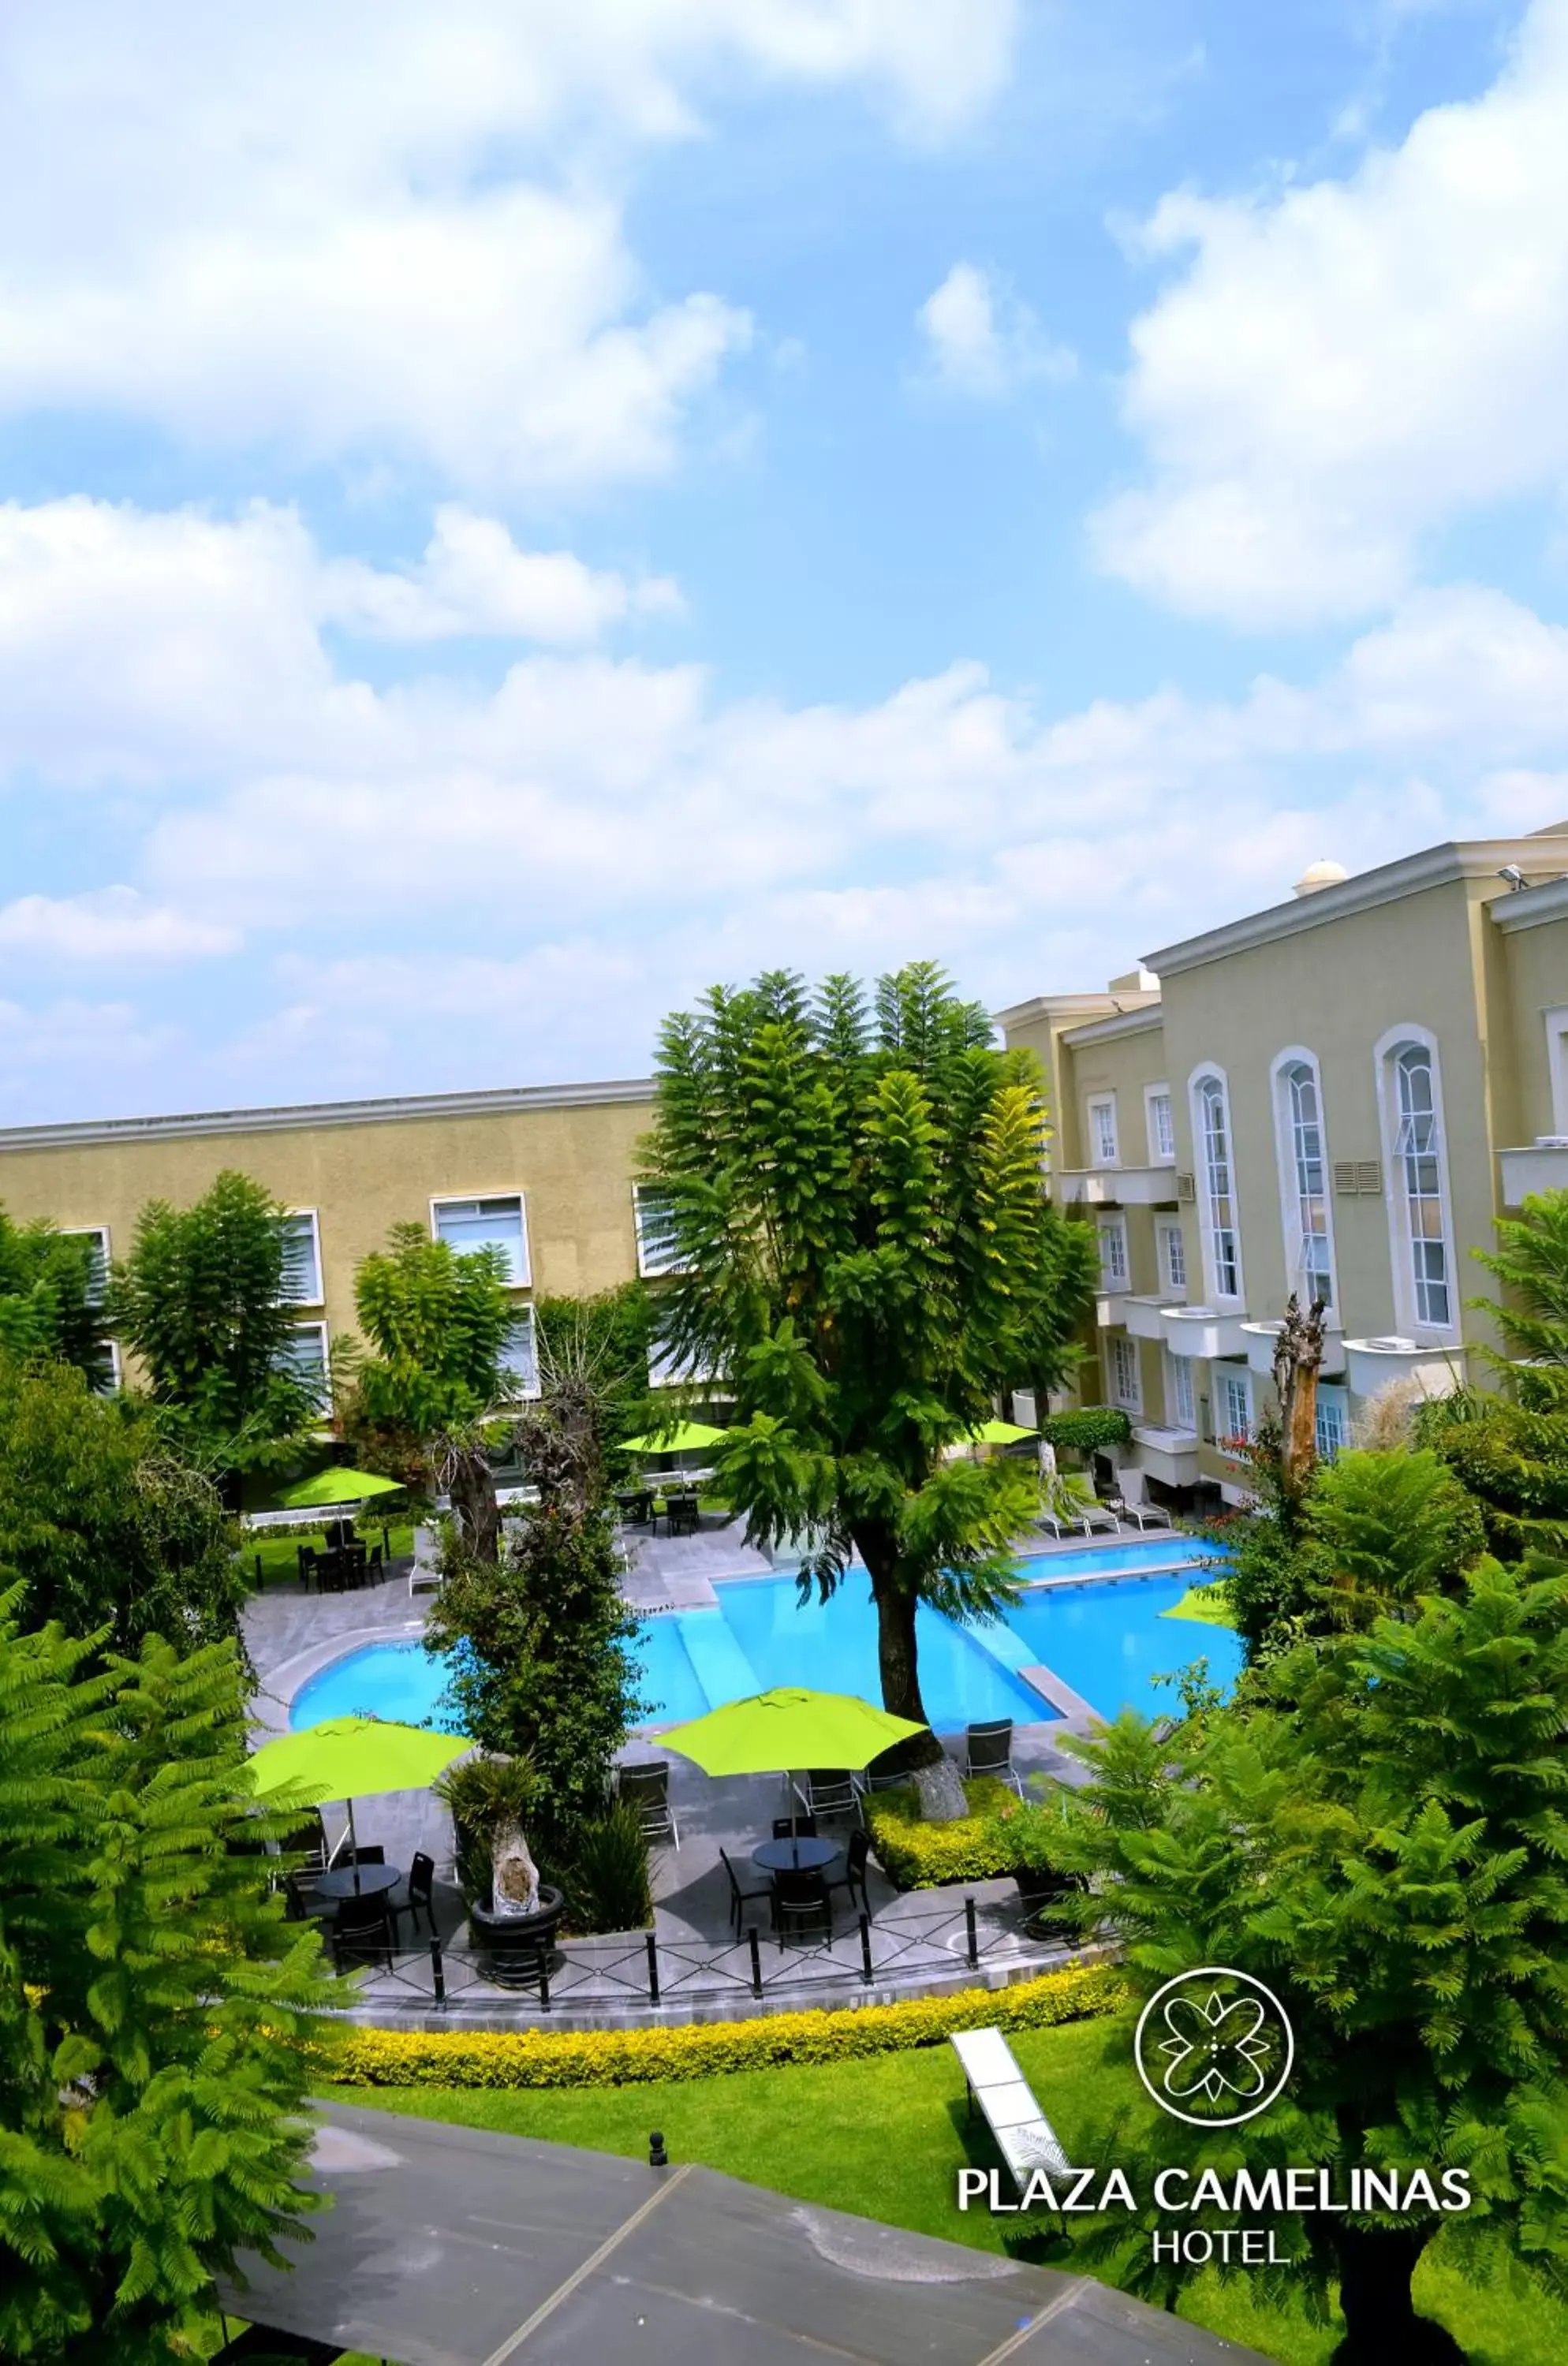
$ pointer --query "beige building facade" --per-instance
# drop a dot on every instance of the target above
(1338, 1096)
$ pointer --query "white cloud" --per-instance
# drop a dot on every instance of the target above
(980, 341)
(474, 580)
(1343, 367)
(396, 234)
(111, 924)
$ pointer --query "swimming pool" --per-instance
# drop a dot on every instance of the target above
(1104, 1639)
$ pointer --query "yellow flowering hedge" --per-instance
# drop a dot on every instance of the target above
(625, 2057)
(919, 1855)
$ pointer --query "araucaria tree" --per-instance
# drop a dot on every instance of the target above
(156, 2011)
(1382, 1842)
(50, 1295)
(201, 1300)
(439, 1324)
(863, 1250)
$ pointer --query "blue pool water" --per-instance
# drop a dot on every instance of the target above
(1105, 1640)
(1108, 1639)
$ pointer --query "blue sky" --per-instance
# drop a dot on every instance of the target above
(508, 516)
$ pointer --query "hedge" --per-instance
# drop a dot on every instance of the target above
(919, 1856)
(625, 2057)
(1087, 1427)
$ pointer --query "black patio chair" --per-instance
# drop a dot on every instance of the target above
(852, 1877)
(645, 1784)
(308, 1558)
(740, 1898)
(301, 1903)
(419, 1883)
(801, 1900)
(832, 1791)
(790, 1828)
(682, 1516)
(634, 1505)
(879, 1777)
(332, 1572)
(362, 1933)
(989, 1752)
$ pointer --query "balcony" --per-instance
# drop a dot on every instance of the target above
(1116, 1187)
(1170, 1455)
(1203, 1332)
(1142, 1317)
(1542, 1168)
(1373, 1363)
(1260, 1348)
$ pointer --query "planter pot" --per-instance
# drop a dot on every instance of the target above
(515, 1951)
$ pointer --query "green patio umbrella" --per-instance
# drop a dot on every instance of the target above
(1001, 1433)
(774, 1732)
(681, 1437)
(351, 1758)
(337, 1485)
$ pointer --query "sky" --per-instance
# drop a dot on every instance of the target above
(515, 514)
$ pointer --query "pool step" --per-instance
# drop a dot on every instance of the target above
(1061, 1696)
(722, 1668)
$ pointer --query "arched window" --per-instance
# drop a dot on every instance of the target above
(1309, 1256)
(1213, 1132)
(1418, 1183)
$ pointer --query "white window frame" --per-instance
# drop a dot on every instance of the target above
(1402, 1255)
(524, 1281)
(1331, 1400)
(320, 1327)
(1158, 1154)
(99, 1232)
(1281, 1075)
(1180, 1415)
(315, 1297)
(115, 1380)
(1121, 1356)
(524, 1316)
(1113, 1229)
(1172, 1285)
(1557, 1066)
(1103, 1104)
(1210, 1073)
(664, 1372)
(650, 1264)
(1227, 1377)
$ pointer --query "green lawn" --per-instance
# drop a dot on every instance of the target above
(884, 2136)
(280, 1555)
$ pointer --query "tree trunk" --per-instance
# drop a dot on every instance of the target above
(1380, 2322)
(471, 1485)
(1298, 1355)
(934, 1775)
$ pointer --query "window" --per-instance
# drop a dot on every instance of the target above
(1212, 1125)
(497, 1222)
(110, 1376)
(1333, 1427)
(1411, 1100)
(520, 1359)
(1172, 1258)
(1305, 1177)
(304, 1358)
(1125, 1385)
(1179, 1403)
(1557, 1069)
(98, 1258)
(1236, 1407)
(1113, 1252)
(666, 1370)
(1162, 1126)
(656, 1251)
(1102, 1131)
(301, 1258)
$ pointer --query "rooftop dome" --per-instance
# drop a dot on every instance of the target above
(1320, 874)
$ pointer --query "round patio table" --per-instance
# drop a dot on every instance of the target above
(373, 1881)
(802, 1854)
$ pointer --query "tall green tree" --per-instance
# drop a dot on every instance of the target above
(1531, 1262)
(1384, 1843)
(438, 1324)
(49, 1296)
(865, 1253)
(155, 2009)
(200, 1299)
(103, 1520)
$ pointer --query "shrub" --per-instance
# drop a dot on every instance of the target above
(1087, 1428)
(606, 1881)
(623, 2057)
(921, 1855)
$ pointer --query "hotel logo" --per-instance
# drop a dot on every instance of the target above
(1214, 2047)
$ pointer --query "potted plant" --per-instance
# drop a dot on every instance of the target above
(514, 1935)
(1026, 1839)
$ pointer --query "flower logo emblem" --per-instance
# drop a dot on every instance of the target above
(1213, 2047)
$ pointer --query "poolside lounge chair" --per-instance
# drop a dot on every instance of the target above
(740, 1898)
(830, 1791)
(988, 1750)
(424, 1577)
(1145, 1515)
(1061, 1523)
(1002, 2095)
(645, 1784)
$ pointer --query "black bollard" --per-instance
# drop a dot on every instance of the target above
(657, 2155)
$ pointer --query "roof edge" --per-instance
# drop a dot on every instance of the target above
(309, 1116)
